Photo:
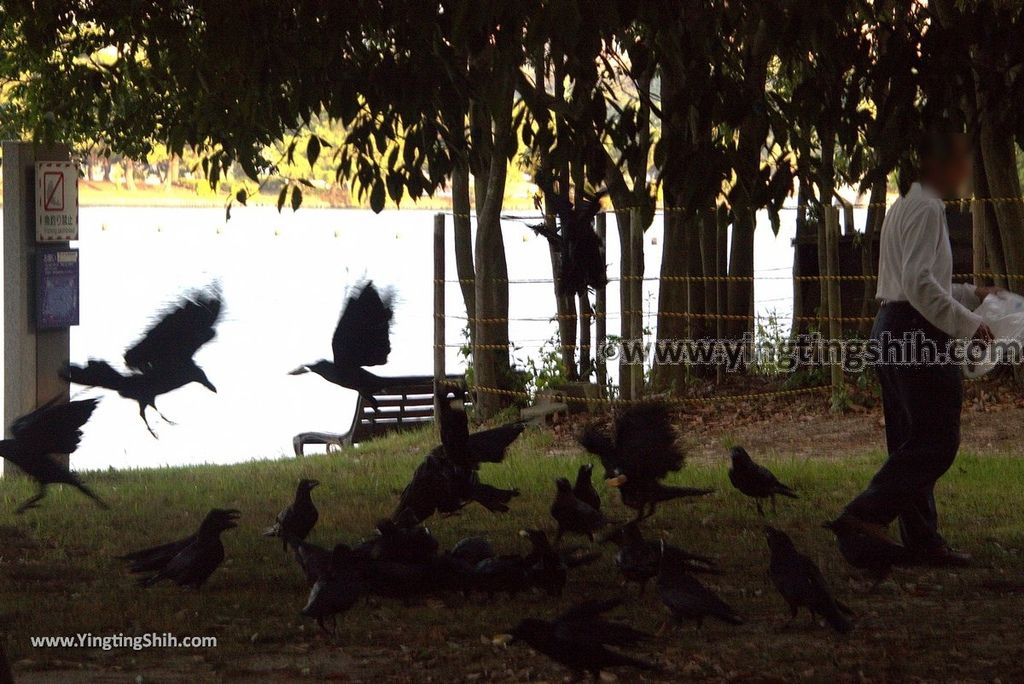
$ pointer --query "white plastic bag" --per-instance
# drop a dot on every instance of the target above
(1004, 314)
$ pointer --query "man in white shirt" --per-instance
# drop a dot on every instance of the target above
(921, 313)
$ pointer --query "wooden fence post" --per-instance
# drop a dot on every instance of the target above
(636, 286)
(601, 308)
(835, 308)
(721, 268)
(439, 318)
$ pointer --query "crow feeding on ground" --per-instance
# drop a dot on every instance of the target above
(686, 598)
(639, 560)
(801, 583)
(579, 639)
(755, 480)
(573, 515)
(162, 360)
(335, 591)
(865, 551)
(362, 338)
(296, 521)
(641, 454)
(507, 574)
(581, 264)
(35, 437)
(187, 562)
(584, 490)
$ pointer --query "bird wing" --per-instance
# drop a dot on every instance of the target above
(489, 446)
(53, 428)
(155, 557)
(646, 441)
(595, 440)
(363, 335)
(179, 333)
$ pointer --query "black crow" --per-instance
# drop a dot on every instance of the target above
(335, 591)
(296, 521)
(155, 558)
(51, 429)
(400, 541)
(315, 561)
(508, 574)
(584, 490)
(362, 338)
(473, 549)
(863, 550)
(581, 265)
(162, 360)
(639, 559)
(193, 564)
(801, 583)
(579, 639)
(437, 484)
(686, 598)
(755, 480)
(642, 452)
(465, 450)
(572, 515)
(546, 569)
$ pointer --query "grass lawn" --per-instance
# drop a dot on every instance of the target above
(59, 577)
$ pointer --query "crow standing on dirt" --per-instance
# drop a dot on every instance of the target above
(801, 583)
(639, 559)
(162, 361)
(755, 480)
(579, 639)
(361, 338)
(573, 515)
(187, 562)
(866, 551)
(584, 490)
(51, 429)
(641, 454)
(581, 264)
(296, 521)
(686, 598)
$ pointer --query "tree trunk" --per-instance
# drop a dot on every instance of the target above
(464, 242)
(1000, 158)
(129, 175)
(172, 172)
(673, 296)
(868, 266)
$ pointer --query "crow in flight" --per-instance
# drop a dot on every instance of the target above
(581, 264)
(296, 521)
(639, 559)
(866, 551)
(573, 515)
(641, 454)
(162, 360)
(52, 429)
(187, 562)
(801, 583)
(584, 488)
(686, 598)
(362, 338)
(755, 480)
(579, 639)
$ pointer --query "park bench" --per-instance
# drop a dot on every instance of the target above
(406, 405)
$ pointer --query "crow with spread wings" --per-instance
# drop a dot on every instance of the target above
(162, 361)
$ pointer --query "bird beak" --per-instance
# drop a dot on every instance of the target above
(314, 483)
(616, 481)
(502, 639)
(208, 385)
(524, 533)
(299, 371)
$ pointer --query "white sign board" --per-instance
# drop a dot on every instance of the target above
(56, 201)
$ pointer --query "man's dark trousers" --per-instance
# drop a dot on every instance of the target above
(922, 398)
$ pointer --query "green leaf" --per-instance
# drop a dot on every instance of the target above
(313, 150)
(281, 198)
(296, 198)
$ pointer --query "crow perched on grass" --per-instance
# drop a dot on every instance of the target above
(188, 562)
(581, 264)
(584, 490)
(362, 338)
(573, 515)
(51, 429)
(801, 583)
(579, 639)
(865, 551)
(686, 598)
(755, 480)
(296, 521)
(639, 559)
(641, 454)
(162, 360)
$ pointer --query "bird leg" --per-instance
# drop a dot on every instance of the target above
(33, 502)
(163, 417)
(142, 414)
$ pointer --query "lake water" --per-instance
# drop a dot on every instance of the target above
(284, 278)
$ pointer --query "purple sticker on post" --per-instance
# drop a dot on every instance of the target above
(56, 288)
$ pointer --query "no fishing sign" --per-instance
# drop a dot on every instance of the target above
(56, 201)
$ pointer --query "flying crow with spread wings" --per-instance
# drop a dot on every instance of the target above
(640, 454)
(162, 361)
(52, 429)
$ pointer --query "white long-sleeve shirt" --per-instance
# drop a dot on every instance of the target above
(915, 264)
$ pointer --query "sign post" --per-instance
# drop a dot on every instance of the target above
(40, 187)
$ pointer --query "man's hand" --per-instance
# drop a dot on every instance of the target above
(983, 334)
(985, 291)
